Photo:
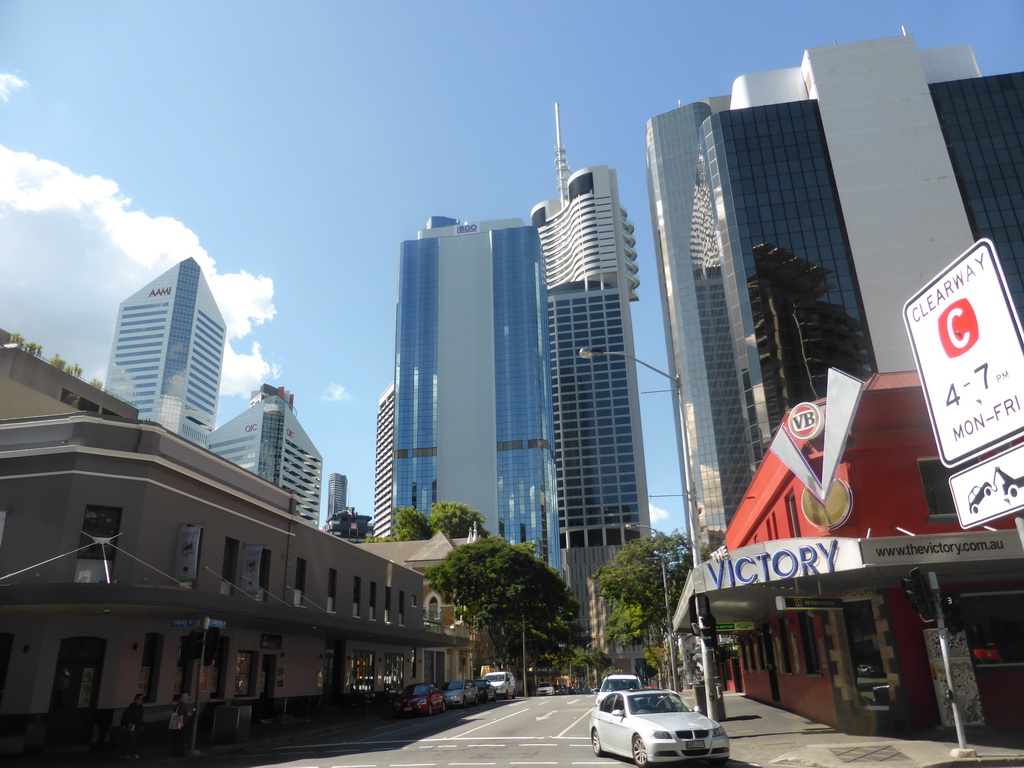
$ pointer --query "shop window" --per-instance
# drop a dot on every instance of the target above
(994, 623)
(245, 670)
(809, 643)
(394, 672)
(362, 672)
(865, 653)
(96, 560)
(788, 640)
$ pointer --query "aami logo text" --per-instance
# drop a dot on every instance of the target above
(958, 328)
(463, 228)
(160, 292)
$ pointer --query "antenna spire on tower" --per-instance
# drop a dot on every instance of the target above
(560, 164)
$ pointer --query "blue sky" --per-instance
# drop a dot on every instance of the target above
(290, 147)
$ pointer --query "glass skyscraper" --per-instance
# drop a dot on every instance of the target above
(591, 274)
(268, 440)
(472, 414)
(168, 352)
(794, 218)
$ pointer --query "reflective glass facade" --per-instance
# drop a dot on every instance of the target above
(512, 481)
(268, 440)
(168, 352)
(784, 223)
(983, 123)
(415, 446)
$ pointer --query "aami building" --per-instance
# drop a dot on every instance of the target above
(814, 592)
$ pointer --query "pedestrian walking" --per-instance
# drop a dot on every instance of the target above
(131, 723)
(180, 717)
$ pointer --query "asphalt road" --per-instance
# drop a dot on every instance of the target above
(543, 732)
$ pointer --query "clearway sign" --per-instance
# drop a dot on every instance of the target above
(969, 350)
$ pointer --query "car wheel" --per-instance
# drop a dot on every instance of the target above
(639, 751)
(595, 742)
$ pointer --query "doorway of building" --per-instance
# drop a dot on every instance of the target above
(76, 684)
(268, 672)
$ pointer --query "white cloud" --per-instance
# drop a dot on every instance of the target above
(71, 250)
(8, 84)
(658, 515)
(335, 392)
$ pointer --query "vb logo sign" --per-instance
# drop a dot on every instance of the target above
(958, 328)
(805, 421)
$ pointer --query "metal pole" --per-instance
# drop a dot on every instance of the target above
(199, 681)
(669, 633)
(963, 751)
(715, 708)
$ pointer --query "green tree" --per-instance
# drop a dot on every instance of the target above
(455, 519)
(506, 590)
(410, 525)
(632, 585)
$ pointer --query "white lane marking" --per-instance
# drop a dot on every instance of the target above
(547, 715)
(573, 724)
(492, 722)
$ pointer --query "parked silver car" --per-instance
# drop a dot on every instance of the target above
(459, 693)
(655, 726)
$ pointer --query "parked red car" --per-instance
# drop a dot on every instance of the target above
(419, 699)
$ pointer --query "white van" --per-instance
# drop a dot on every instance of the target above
(504, 684)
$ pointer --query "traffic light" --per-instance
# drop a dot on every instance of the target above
(918, 594)
(708, 629)
(950, 607)
(194, 643)
(212, 641)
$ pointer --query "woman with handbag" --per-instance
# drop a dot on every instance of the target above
(179, 724)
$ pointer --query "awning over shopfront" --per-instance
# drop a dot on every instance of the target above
(743, 586)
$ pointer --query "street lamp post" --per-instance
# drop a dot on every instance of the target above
(686, 471)
(671, 635)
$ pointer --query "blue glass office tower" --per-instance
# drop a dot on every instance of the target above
(473, 418)
(793, 218)
(168, 352)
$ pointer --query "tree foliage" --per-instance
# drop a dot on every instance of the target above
(451, 518)
(455, 519)
(506, 590)
(410, 525)
(632, 584)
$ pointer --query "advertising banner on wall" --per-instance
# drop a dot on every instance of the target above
(186, 559)
(251, 569)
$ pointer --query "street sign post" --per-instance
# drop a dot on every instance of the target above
(969, 350)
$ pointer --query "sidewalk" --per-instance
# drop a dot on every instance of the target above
(759, 734)
(766, 735)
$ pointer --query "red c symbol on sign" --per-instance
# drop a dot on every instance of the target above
(958, 328)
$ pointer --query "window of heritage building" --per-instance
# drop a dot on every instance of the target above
(96, 561)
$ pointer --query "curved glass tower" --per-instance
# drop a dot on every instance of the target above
(591, 275)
